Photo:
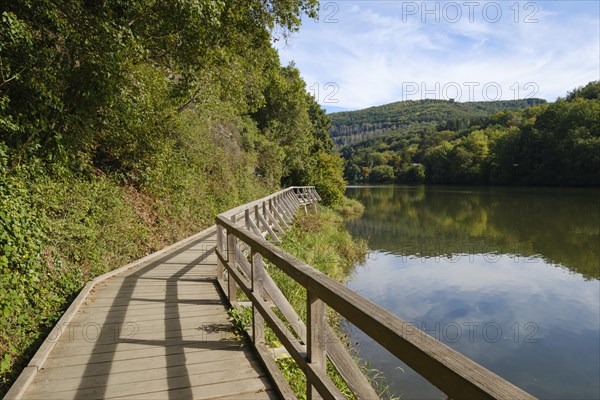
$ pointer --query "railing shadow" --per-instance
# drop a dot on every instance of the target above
(95, 378)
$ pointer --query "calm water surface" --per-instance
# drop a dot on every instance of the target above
(507, 276)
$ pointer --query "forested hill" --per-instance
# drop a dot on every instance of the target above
(544, 144)
(415, 115)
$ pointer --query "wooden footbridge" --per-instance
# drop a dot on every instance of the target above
(158, 328)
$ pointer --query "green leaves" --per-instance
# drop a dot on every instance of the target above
(5, 363)
(21, 229)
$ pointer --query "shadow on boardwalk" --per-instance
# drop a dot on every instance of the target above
(159, 330)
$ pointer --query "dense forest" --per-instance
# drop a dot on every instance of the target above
(542, 144)
(127, 125)
(416, 115)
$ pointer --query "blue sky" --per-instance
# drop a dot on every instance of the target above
(365, 53)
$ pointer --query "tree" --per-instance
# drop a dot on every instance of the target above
(591, 91)
(382, 174)
(328, 181)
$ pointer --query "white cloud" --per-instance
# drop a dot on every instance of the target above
(376, 49)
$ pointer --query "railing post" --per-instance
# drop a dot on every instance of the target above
(313, 200)
(315, 346)
(258, 322)
(256, 216)
(231, 246)
(220, 250)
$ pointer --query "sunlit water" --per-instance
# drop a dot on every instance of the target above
(507, 276)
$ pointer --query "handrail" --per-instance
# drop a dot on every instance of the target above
(304, 189)
(310, 345)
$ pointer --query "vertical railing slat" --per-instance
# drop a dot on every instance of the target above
(231, 247)
(315, 346)
(220, 267)
(258, 322)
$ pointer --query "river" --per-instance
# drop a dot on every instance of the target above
(506, 276)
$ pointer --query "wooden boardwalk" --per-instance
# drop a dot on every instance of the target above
(158, 330)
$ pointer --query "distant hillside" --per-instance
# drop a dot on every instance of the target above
(526, 142)
(354, 126)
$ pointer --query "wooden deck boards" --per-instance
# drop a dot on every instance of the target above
(157, 331)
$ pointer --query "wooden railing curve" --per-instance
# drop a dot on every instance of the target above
(246, 235)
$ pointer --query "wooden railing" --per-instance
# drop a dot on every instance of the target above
(246, 236)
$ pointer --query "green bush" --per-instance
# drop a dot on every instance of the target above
(34, 286)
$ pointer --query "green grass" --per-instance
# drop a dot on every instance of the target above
(349, 208)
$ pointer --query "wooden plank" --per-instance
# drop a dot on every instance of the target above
(294, 347)
(268, 228)
(279, 300)
(170, 383)
(250, 225)
(91, 348)
(278, 215)
(220, 247)
(151, 315)
(273, 220)
(243, 207)
(294, 199)
(67, 383)
(281, 384)
(157, 293)
(270, 394)
(231, 249)
(148, 302)
(258, 322)
(283, 212)
(232, 387)
(289, 202)
(137, 332)
(167, 309)
(283, 203)
(212, 352)
(315, 346)
(129, 351)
